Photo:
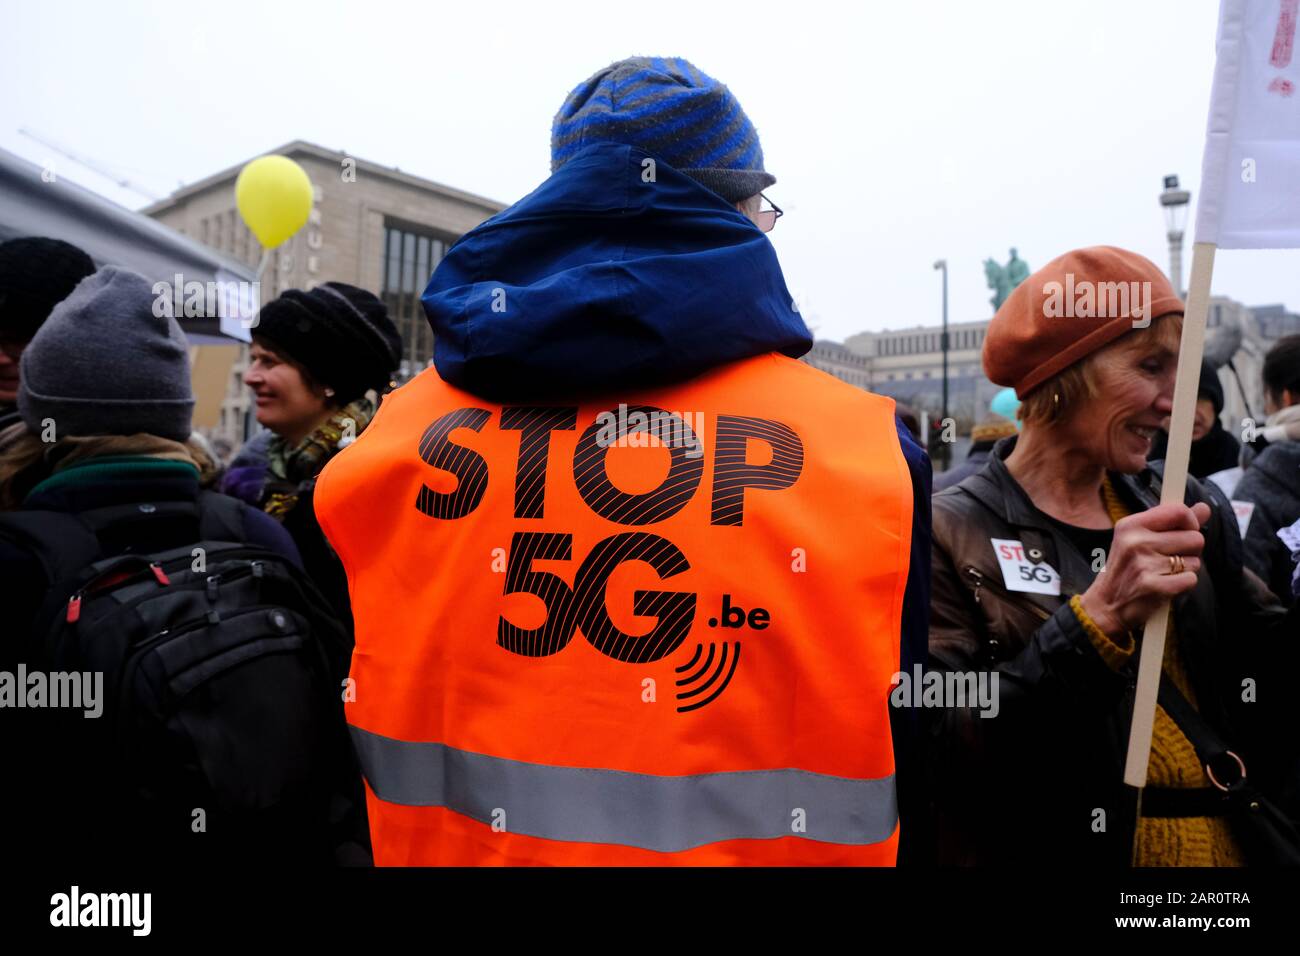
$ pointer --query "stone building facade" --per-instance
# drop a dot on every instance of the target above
(907, 364)
(372, 226)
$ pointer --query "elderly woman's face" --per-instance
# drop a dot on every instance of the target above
(1134, 394)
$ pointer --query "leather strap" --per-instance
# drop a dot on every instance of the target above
(1184, 802)
(1210, 750)
(1214, 755)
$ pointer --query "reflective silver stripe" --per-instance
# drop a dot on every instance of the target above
(630, 809)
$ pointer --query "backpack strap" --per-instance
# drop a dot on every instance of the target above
(61, 541)
(65, 547)
(99, 520)
(221, 517)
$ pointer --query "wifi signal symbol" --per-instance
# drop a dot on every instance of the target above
(732, 650)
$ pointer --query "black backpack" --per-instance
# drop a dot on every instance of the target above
(222, 737)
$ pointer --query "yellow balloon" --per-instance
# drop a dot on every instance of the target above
(274, 198)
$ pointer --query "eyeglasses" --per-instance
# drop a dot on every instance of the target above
(766, 218)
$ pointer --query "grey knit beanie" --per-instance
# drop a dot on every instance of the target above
(105, 364)
(669, 107)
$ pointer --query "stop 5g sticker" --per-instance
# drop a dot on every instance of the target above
(1021, 574)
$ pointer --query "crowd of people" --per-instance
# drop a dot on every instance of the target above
(318, 652)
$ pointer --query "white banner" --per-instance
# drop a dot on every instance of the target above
(1250, 174)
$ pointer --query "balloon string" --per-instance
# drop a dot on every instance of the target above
(261, 266)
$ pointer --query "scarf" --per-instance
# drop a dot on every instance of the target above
(293, 471)
(78, 448)
(1283, 425)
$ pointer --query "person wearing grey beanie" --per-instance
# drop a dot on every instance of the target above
(106, 363)
(106, 403)
(104, 391)
(104, 491)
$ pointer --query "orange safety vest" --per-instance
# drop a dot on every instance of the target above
(654, 629)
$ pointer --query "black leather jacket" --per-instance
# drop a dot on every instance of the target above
(1026, 786)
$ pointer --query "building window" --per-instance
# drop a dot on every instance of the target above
(410, 255)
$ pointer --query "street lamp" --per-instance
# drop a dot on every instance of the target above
(1174, 202)
(943, 344)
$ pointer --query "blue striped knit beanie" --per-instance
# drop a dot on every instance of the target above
(667, 107)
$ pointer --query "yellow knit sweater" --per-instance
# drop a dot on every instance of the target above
(1167, 841)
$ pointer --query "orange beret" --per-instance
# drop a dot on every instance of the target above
(1070, 308)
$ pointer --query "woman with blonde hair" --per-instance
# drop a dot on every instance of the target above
(1046, 565)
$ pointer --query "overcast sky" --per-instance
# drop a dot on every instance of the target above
(899, 132)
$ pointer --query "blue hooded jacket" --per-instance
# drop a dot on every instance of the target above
(601, 279)
(620, 272)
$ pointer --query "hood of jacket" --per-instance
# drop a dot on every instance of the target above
(617, 272)
(1280, 461)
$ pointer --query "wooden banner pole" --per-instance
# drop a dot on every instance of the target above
(1190, 352)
